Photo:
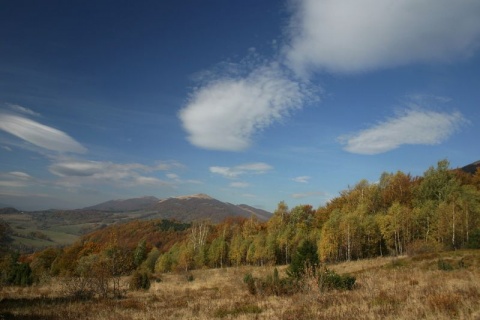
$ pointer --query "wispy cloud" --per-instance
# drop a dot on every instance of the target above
(411, 127)
(239, 184)
(38, 134)
(80, 172)
(226, 112)
(302, 179)
(19, 109)
(20, 175)
(249, 168)
(353, 36)
(172, 176)
(14, 179)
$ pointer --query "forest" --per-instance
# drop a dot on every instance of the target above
(397, 215)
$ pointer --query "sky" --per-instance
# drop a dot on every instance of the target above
(251, 102)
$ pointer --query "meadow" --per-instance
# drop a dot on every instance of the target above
(431, 286)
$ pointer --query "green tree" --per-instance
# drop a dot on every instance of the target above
(140, 253)
(151, 260)
(305, 257)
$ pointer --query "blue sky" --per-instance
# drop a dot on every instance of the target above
(248, 101)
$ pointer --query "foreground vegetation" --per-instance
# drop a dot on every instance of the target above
(434, 286)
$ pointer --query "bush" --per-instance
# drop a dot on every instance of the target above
(271, 285)
(474, 240)
(249, 280)
(444, 265)
(21, 275)
(139, 281)
(329, 280)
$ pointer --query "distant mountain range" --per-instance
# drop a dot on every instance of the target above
(184, 208)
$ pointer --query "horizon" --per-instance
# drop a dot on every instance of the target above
(251, 103)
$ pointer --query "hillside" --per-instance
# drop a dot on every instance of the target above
(203, 207)
(8, 210)
(133, 204)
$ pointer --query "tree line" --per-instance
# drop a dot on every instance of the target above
(397, 215)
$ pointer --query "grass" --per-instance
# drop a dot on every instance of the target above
(416, 288)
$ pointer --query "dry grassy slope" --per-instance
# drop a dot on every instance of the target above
(387, 288)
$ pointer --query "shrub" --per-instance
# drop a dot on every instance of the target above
(271, 285)
(21, 275)
(189, 277)
(329, 279)
(249, 280)
(474, 240)
(444, 265)
(139, 281)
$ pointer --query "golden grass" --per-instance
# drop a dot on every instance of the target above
(405, 288)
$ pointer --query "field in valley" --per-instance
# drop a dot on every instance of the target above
(434, 286)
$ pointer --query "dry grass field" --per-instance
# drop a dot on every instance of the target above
(435, 286)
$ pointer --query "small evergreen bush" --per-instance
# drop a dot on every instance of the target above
(306, 257)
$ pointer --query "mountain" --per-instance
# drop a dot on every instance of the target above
(134, 204)
(472, 167)
(263, 215)
(201, 207)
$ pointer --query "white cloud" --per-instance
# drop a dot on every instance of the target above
(172, 176)
(225, 113)
(239, 184)
(412, 127)
(148, 181)
(354, 36)
(79, 172)
(249, 168)
(39, 134)
(7, 148)
(302, 179)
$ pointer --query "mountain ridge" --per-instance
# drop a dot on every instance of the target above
(472, 167)
(186, 208)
